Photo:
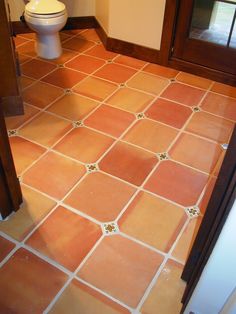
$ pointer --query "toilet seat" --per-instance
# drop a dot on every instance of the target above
(45, 16)
(45, 7)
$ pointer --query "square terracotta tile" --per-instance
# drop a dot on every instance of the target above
(85, 64)
(165, 297)
(89, 34)
(95, 88)
(65, 57)
(73, 107)
(130, 100)
(77, 44)
(193, 80)
(84, 145)
(82, 299)
(224, 89)
(122, 268)
(28, 48)
(196, 152)
(148, 83)
(53, 129)
(19, 40)
(110, 120)
(185, 243)
(63, 77)
(23, 58)
(54, 175)
(34, 208)
(28, 284)
(16, 121)
(130, 62)
(212, 127)
(100, 52)
(169, 112)
(151, 135)
(207, 195)
(5, 247)
(220, 105)
(65, 237)
(100, 196)
(33, 94)
(153, 221)
(128, 163)
(36, 68)
(160, 70)
(24, 153)
(186, 95)
(177, 183)
(30, 36)
(26, 81)
(115, 73)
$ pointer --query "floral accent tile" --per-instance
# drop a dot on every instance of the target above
(92, 168)
(110, 228)
(193, 211)
(196, 109)
(163, 156)
(77, 124)
(12, 133)
(140, 115)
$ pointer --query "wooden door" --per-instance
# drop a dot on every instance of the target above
(10, 192)
(10, 91)
(206, 36)
(222, 199)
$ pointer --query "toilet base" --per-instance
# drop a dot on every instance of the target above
(48, 46)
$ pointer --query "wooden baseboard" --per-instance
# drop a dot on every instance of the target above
(12, 106)
(200, 70)
(126, 48)
(20, 27)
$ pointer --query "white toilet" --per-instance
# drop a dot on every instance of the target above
(46, 18)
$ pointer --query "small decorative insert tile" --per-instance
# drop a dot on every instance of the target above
(110, 228)
(68, 91)
(12, 133)
(122, 85)
(192, 211)
(172, 80)
(109, 61)
(140, 116)
(225, 146)
(60, 65)
(77, 124)
(98, 42)
(163, 156)
(92, 168)
(196, 109)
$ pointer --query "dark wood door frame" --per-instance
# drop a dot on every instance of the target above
(166, 57)
(219, 206)
(10, 192)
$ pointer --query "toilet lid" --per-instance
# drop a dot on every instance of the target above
(45, 6)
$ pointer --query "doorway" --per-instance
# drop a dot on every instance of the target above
(206, 34)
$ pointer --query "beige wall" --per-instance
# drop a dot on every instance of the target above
(74, 7)
(102, 12)
(137, 21)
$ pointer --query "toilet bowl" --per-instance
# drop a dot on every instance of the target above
(46, 18)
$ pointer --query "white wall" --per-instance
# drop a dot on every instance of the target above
(218, 281)
(74, 7)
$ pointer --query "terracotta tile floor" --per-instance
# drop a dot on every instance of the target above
(117, 159)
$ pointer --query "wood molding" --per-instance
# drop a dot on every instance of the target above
(127, 48)
(12, 106)
(20, 27)
(200, 70)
